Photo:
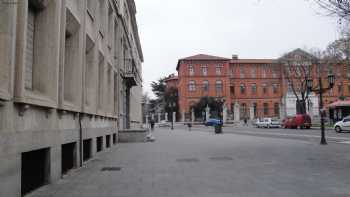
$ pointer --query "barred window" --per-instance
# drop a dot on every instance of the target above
(192, 86)
(253, 88)
(242, 88)
(218, 85)
(205, 86)
(191, 69)
(266, 108)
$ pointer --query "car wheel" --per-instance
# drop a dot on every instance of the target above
(338, 129)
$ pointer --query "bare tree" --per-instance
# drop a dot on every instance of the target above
(339, 8)
(297, 68)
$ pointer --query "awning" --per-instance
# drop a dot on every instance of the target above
(339, 104)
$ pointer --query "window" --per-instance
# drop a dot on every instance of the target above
(101, 77)
(218, 69)
(340, 87)
(255, 109)
(204, 70)
(264, 86)
(232, 89)
(205, 86)
(30, 48)
(218, 86)
(264, 71)
(242, 88)
(266, 108)
(253, 71)
(253, 88)
(191, 69)
(241, 71)
(192, 86)
(274, 71)
(277, 109)
(91, 6)
(72, 64)
(275, 88)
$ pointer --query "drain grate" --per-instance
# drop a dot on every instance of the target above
(188, 160)
(221, 158)
(111, 169)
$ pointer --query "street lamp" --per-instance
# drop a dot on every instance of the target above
(320, 90)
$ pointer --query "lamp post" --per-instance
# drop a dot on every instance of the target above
(320, 90)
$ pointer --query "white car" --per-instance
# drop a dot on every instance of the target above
(343, 125)
(267, 123)
(164, 123)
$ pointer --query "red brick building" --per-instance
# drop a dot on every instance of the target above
(257, 87)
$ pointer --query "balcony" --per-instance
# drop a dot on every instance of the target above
(130, 73)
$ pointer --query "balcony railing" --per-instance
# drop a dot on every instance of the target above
(130, 73)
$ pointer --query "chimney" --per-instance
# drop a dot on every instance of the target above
(235, 57)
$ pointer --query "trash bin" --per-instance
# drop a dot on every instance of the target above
(218, 129)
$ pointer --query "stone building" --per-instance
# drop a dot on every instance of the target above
(69, 71)
(250, 88)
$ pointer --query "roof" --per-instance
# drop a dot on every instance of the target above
(339, 104)
(202, 57)
(172, 78)
(254, 61)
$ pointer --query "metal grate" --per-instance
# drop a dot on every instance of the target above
(221, 158)
(188, 160)
(111, 169)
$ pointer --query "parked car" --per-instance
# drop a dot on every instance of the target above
(343, 125)
(298, 121)
(163, 123)
(289, 123)
(303, 121)
(267, 123)
(213, 122)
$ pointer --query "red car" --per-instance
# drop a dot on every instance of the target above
(289, 123)
(301, 121)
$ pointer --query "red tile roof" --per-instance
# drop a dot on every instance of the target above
(202, 57)
(254, 61)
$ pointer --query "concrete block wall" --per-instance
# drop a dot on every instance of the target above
(61, 109)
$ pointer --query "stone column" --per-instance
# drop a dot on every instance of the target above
(183, 116)
(166, 117)
(174, 118)
(282, 110)
(192, 115)
(207, 113)
(224, 113)
(159, 117)
(311, 110)
(237, 112)
(251, 113)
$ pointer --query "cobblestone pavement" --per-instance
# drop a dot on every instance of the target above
(201, 164)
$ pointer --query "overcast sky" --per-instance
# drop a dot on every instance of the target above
(172, 29)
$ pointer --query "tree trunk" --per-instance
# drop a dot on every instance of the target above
(301, 107)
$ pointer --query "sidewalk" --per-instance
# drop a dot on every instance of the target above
(202, 164)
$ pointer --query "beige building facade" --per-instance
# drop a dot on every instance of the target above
(69, 71)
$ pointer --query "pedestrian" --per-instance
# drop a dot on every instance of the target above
(189, 126)
(152, 124)
(245, 122)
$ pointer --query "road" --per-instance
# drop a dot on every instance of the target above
(199, 163)
(305, 134)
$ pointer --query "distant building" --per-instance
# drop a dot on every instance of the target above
(251, 88)
(70, 80)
